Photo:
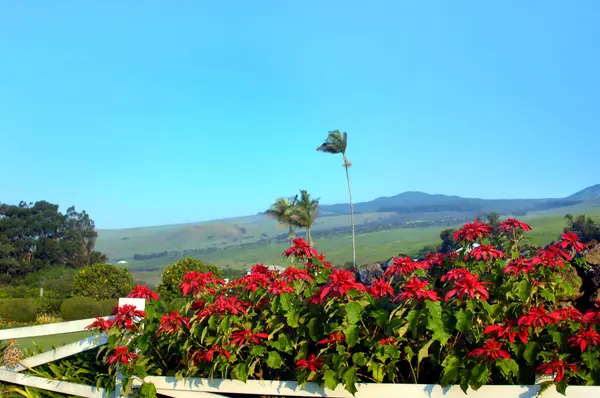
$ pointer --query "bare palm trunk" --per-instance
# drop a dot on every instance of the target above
(291, 236)
(351, 213)
(309, 237)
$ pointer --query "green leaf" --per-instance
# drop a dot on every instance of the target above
(557, 336)
(529, 354)
(590, 358)
(524, 290)
(463, 320)
(241, 371)
(451, 365)
(258, 350)
(353, 312)
(350, 380)
(413, 321)
(548, 295)
(313, 329)
(409, 353)
(359, 359)
(508, 367)
(274, 360)
(381, 317)
(480, 374)
(286, 301)
(435, 323)
(392, 351)
(377, 371)
(330, 379)
(423, 352)
(351, 333)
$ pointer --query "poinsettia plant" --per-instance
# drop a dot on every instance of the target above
(488, 313)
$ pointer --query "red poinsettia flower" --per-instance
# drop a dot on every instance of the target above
(141, 291)
(208, 356)
(556, 368)
(316, 298)
(585, 338)
(513, 223)
(123, 356)
(311, 363)
(198, 305)
(570, 240)
(280, 287)
(469, 286)
(100, 324)
(230, 305)
(473, 231)
(241, 337)
(254, 281)
(388, 341)
(491, 351)
(334, 338)
(127, 315)
(381, 288)
(294, 274)
(483, 252)
(435, 259)
(341, 282)
(416, 289)
(567, 314)
(519, 266)
(538, 317)
(553, 252)
(316, 262)
(456, 274)
(401, 266)
(172, 322)
(197, 283)
(510, 330)
(300, 250)
(591, 317)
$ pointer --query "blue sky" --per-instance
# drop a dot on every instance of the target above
(156, 112)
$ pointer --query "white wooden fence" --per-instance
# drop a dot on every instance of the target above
(207, 388)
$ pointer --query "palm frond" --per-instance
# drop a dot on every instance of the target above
(336, 142)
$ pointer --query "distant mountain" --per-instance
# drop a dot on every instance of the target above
(587, 194)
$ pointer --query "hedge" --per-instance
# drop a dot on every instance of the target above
(80, 308)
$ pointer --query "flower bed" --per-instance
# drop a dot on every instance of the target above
(487, 314)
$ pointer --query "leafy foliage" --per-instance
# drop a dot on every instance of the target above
(102, 281)
(173, 275)
(80, 308)
(18, 310)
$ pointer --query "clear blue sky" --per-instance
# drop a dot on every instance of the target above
(154, 112)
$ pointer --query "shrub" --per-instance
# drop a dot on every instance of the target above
(102, 281)
(487, 314)
(18, 310)
(48, 306)
(172, 276)
(80, 308)
(107, 306)
(58, 279)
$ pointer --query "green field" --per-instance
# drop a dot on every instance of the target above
(46, 343)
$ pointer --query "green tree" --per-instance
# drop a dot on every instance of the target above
(448, 244)
(305, 212)
(585, 227)
(282, 211)
(173, 276)
(102, 281)
(336, 143)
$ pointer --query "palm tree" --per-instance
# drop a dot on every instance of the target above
(305, 212)
(282, 211)
(336, 143)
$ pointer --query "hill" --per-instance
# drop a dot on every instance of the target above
(149, 247)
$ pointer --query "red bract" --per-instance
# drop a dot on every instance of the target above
(261, 269)
(141, 291)
(436, 259)
(491, 351)
(341, 282)
(519, 266)
(126, 315)
(100, 324)
(473, 231)
(469, 286)
(207, 356)
(316, 262)
(388, 341)
(556, 368)
(254, 281)
(311, 363)
(585, 338)
(381, 288)
(199, 283)
(401, 266)
(225, 306)
(483, 252)
(294, 274)
(538, 317)
(456, 274)
(513, 223)
(240, 337)
(122, 355)
(415, 289)
(334, 338)
(300, 250)
(553, 255)
(280, 287)
(570, 240)
(509, 331)
(592, 317)
(172, 322)
(567, 314)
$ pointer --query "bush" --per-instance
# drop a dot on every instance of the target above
(18, 310)
(80, 308)
(48, 306)
(58, 279)
(102, 281)
(172, 276)
(107, 306)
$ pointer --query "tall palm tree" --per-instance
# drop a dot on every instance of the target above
(336, 143)
(305, 212)
(282, 211)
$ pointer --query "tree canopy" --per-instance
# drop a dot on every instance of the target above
(38, 235)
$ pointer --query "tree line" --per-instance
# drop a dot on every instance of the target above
(37, 235)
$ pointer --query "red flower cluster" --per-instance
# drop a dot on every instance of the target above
(381, 288)
(123, 356)
(172, 322)
(197, 283)
(224, 305)
(401, 266)
(538, 317)
(279, 287)
(468, 285)
(141, 291)
(510, 330)
(557, 368)
(512, 223)
(341, 282)
(334, 338)
(207, 356)
(520, 266)
(100, 324)
(294, 274)
(126, 316)
(241, 337)
(491, 351)
(300, 250)
(586, 338)
(483, 252)
(415, 289)
(312, 363)
(570, 240)
(388, 341)
(473, 231)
